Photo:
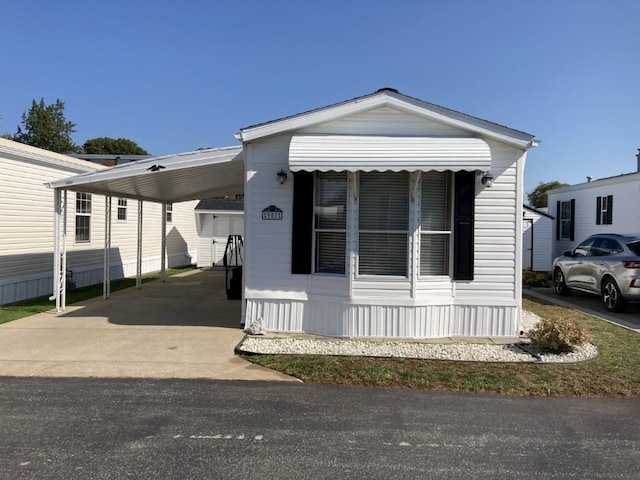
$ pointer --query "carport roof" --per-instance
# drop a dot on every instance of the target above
(170, 178)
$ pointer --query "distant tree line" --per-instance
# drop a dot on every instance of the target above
(45, 126)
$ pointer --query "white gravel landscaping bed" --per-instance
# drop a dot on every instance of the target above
(461, 351)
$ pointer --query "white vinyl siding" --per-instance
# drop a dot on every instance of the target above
(383, 221)
(330, 223)
(435, 223)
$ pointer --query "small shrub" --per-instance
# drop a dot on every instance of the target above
(535, 279)
(557, 336)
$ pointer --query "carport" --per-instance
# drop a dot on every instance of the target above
(167, 179)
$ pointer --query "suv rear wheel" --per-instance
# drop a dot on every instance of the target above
(612, 297)
(559, 283)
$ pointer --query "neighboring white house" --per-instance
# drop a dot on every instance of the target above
(27, 219)
(399, 218)
(537, 231)
(216, 219)
(607, 205)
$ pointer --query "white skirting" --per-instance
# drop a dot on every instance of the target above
(397, 321)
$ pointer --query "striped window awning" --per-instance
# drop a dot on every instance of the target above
(379, 153)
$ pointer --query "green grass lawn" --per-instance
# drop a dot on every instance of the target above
(614, 373)
(43, 304)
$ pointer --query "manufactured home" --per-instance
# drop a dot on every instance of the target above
(380, 216)
(606, 205)
(27, 226)
(384, 216)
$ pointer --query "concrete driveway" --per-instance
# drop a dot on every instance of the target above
(182, 328)
(589, 304)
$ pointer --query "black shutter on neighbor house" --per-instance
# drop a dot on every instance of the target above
(598, 210)
(572, 227)
(463, 220)
(558, 223)
(609, 219)
(302, 219)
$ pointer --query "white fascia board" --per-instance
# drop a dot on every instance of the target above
(169, 162)
(602, 182)
(220, 212)
(45, 160)
(412, 106)
(311, 118)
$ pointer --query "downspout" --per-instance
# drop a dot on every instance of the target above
(163, 262)
(106, 281)
(139, 248)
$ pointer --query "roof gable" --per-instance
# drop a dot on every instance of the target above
(397, 101)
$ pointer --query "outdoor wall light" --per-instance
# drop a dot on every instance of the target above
(282, 177)
(487, 180)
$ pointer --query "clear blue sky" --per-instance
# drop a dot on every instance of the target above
(175, 76)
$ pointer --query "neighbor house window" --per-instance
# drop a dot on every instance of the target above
(383, 223)
(122, 209)
(330, 222)
(604, 210)
(83, 217)
(565, 220)
(435, 223)
(169, 212)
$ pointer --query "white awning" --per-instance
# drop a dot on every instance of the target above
(171, 178)
(377, 153)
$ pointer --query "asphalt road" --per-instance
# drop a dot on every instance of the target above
(124, 428)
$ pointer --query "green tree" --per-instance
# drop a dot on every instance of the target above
(45, 126)
(113, 146)
(538, 198)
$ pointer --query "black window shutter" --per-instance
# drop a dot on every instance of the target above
(572, 227)
(609, 209)
(302, 219)
(463, 219)
(558, 223)
(598, 210)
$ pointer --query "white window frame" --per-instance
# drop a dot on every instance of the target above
(565, 220)
(446, 231)
(406, 232)
(319, 230)
(169, 212)
(83, 210)
(121, 214)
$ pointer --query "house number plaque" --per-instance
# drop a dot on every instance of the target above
(272, 213)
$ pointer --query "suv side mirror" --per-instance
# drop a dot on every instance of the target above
(567, 253)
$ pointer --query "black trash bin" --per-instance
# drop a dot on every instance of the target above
(233, 267)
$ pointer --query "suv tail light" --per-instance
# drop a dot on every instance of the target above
(633, 264)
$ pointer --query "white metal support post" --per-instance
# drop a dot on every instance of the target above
(163, 254)
(60, 249)
(106, 283)
(139, 248)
